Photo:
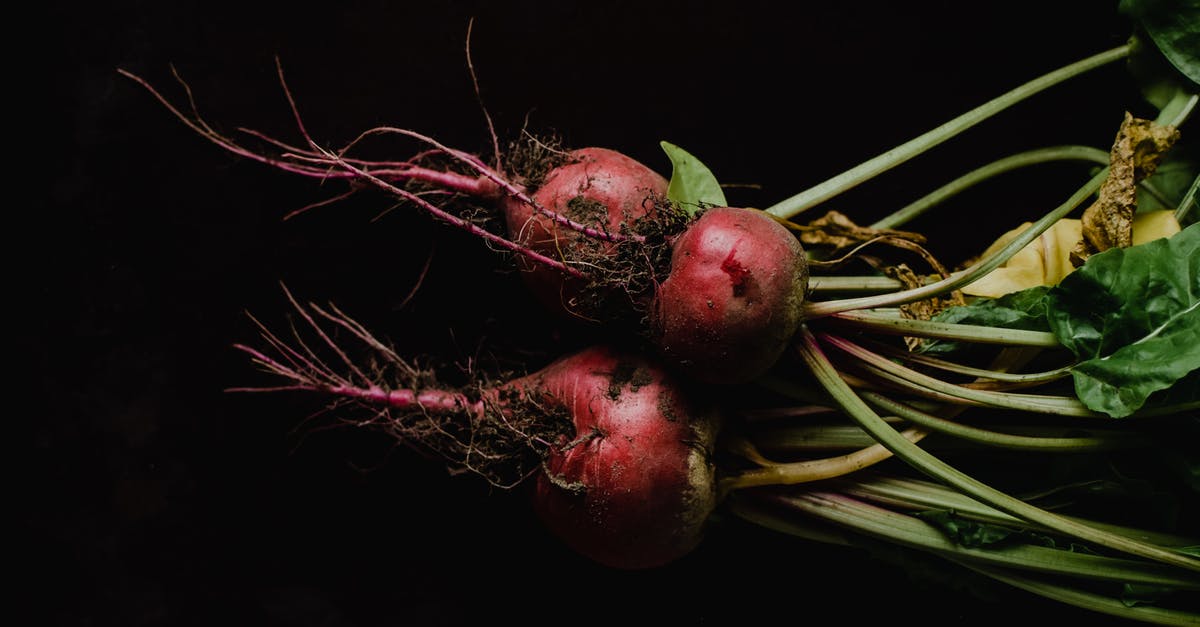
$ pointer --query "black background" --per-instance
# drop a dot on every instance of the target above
(158, 499)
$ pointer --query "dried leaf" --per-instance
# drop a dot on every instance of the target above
(922, 309)
(1108, 223)
(838, 231)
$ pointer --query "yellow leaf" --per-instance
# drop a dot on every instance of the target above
(1152, 225)
(1047, 259)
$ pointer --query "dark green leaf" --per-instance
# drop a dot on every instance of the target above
(1132, 315)
(1171, 180)
(1174, 27)
(1025, 309)
(693, 185)
(1158, 80)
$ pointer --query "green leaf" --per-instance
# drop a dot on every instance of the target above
(693, 185)
(1171, 180)
(1025, 309)
(1132, 315)
(1157, 79)
(1174, 27)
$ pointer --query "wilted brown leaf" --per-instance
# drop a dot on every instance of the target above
(922, 309)
(838, 231)
(1139, 148)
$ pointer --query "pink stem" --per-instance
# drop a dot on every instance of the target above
(507, 187)
(471, 185)
(434, 401)
(466, 225)
(483, 186)
(471, 160)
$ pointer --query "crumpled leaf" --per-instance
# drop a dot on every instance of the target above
(1108, 223)
(836, 230)
(693, 186)
(1132, 316)
(925, 309)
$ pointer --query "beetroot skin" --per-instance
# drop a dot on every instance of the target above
(594, 181)
(634, 487)
(732, 301)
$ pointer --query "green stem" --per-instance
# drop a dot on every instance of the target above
(946, 330)
(916, 495)
(937, 469)
(974, 177)
(750, 510)
(981, 373)
(812, 530)
(912, 380)
(807, 471)
(996, 439)
(975, 271)
(1148, 614)
(870, 284)
(913, 532)
(1189, 200)
(934, 388)
(1174, 113)
(808, 439)
(811, 437)
(1178, 108)
(894, 157)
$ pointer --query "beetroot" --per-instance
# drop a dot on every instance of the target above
(732, 300)
(634, 486)
(595, 186)
(621, 452)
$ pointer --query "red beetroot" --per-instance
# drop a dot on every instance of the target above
(596, 186)
(635, 486)
(621, 453)
(732, 300)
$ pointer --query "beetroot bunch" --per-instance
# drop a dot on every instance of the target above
(718, 291)
(619, 447)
